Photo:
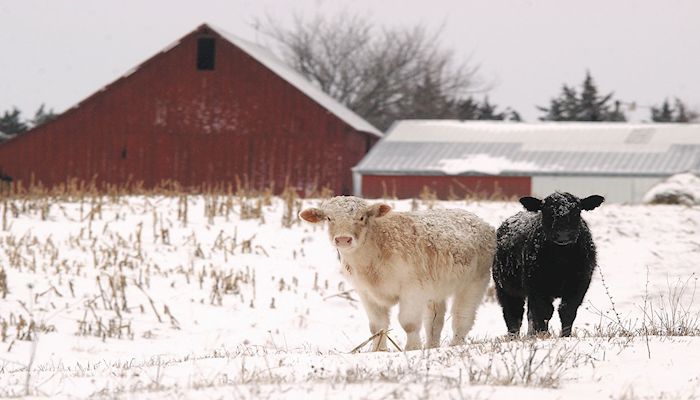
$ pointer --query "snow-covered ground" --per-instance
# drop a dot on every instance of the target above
(156, 297)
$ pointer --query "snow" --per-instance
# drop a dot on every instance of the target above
(550, 136)
(678, 189)
(484, 163)
(250, 308)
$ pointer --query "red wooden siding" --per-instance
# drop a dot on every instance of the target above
(170, 121)
(445, 187)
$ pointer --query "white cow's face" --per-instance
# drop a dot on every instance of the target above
(348, 219)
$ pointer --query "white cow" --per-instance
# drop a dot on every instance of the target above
(414, 259)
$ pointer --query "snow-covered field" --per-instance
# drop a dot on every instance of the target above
(157, 297)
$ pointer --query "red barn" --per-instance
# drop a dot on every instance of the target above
(205, 111)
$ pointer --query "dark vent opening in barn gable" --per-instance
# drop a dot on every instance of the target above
(205, 54)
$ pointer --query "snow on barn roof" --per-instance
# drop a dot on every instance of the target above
(269, 60)
(448, 147)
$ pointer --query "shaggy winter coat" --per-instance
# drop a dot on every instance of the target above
(542, 254)
(415, 259)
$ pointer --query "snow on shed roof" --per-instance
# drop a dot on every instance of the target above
(268, 59)
(437, 147)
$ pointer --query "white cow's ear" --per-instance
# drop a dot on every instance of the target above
(378, 210)
(313, 215)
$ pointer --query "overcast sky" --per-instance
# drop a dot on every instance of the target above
(58, 52)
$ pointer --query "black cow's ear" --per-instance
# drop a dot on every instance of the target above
(531, 203)
(591, 202)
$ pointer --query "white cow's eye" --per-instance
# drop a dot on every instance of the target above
(362, 218)
(328, 218)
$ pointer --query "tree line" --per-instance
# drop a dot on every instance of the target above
(387, 74)
(12, 122)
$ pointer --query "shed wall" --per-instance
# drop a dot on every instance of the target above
(614, 189)
(444, 186)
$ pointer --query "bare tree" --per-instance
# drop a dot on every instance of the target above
(383, 74)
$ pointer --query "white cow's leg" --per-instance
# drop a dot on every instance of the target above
(433, 321)
(464, 306)
(378, 316)
(411, 308)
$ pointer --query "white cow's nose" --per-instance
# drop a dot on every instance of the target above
(343, 241)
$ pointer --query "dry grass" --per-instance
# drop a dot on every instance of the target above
(526, 362)
(631, 394)
(673, 313)
(3, 283)
(501, 363)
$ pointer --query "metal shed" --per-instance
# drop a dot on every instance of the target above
(207, 110)
(456, 158)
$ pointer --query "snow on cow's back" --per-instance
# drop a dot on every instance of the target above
(454, 229)
(459, 224)
(518, 228)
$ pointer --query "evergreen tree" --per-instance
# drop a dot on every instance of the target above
(676, 113)
(663, 113)
(586, 106)
(469, 109)
(11, 122)
(616, 115)
(514, 116)
(487, 111)
(42, 116)
(681, 114)
(591, 106)
(555, 112)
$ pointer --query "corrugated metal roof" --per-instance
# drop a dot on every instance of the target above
(501, 148)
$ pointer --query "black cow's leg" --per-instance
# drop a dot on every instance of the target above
(539, 312)
(569, 306)
(513, 307)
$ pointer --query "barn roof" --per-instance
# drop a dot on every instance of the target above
(269, 60)
(438, 147)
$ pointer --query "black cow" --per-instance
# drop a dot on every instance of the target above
(544, 253)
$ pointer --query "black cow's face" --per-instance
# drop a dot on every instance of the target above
(561, 215)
